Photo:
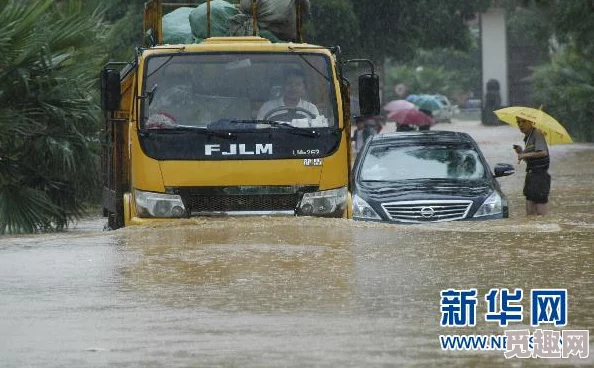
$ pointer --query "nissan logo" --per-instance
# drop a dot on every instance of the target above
(427, 212)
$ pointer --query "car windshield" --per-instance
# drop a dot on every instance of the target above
(238, 91)
(394, 163)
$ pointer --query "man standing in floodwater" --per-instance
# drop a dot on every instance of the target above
(537, 185)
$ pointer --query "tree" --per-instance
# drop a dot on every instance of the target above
(565, 85)
(334, 23)
(48, 115)
(393, 28)
(398, 28)
(572, 21)
(125, 32)
(565, 88)
(447, 71)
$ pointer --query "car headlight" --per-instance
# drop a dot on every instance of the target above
(362, 210)
(491, 206)
(325, 202)
(149, 204)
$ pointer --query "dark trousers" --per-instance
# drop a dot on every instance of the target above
(537, 186)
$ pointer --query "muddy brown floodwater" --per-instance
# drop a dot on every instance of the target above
(293, 292)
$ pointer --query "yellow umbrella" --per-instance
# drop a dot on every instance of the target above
(552, 130)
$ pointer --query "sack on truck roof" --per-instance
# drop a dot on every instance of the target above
(243, 25)
(176, 26)
(276, 21)
(220, 12)
(277, 16)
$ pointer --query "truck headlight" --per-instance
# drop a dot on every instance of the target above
(325, 202)
(491, 206)
(150, 204)
(362, 210)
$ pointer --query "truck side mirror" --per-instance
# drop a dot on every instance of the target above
(111, 96)
(369, 99)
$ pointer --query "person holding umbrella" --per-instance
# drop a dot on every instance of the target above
(540, 131)
(427, 104)
(537, 184)
(430, 115)
(399, 110)
(407, 120)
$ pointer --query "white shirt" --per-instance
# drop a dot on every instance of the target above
(280, 102)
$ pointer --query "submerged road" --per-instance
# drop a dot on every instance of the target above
(293, 292)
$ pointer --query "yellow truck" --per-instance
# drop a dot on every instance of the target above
(228, 126)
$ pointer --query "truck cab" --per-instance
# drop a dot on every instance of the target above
(228, 126)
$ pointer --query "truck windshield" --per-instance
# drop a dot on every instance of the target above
(238, 91)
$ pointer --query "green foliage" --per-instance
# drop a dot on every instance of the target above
(529, 27)
(565, 89)
(575, 21)
(125, 18)
(48, 116)
(333, 22)
(446, 71)
(398, 28)
(572, 21)
(565, 85)
(427, 80)
(422, 79)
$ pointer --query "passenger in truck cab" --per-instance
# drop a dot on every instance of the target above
(292, 104)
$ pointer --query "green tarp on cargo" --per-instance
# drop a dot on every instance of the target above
(176, 26)
(188, 25)
(220, 12)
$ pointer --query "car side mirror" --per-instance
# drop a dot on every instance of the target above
(504, 170)
(111, 96)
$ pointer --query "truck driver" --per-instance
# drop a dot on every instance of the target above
(291, 104)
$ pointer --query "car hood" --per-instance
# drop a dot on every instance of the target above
(382, 191)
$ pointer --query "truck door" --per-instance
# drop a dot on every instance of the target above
(115, 91)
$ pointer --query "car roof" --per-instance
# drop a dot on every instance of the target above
(426, 137)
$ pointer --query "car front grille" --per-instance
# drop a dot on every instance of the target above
(427, 211)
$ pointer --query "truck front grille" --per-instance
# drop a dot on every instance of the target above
(223, 203)
(242, 199)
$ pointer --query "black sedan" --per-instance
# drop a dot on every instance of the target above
(421, 177)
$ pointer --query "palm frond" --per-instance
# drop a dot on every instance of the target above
(49, 116)
(26, 210)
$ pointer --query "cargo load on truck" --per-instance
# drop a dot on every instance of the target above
(276, 16)
(276, 21)
(220, 13)
(177, 27)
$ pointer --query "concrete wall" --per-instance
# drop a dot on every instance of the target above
(494, 50)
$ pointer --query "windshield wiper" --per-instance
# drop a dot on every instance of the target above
(311, 65)
(190, 128)
(278, 124)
